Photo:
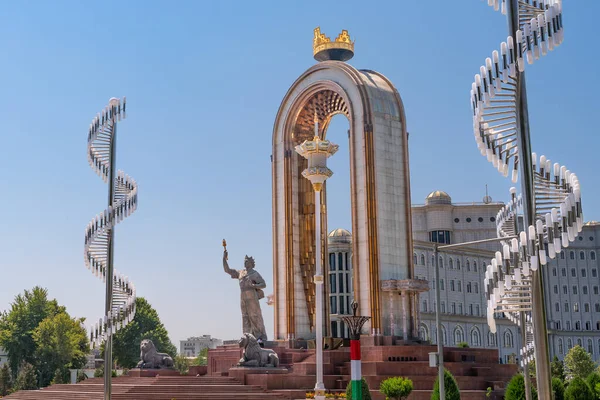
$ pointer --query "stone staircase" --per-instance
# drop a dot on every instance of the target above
(158, 388)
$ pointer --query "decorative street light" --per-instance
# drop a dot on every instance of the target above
(99, 234)
(355, 324)
(317, 151)
(551, 200)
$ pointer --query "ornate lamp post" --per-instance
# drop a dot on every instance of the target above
(100, 232)
(355, 324)
(551, 199)
(317, 151)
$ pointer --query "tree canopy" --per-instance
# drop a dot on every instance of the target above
(579, 390)
(145, 325)
(578, 363)
(516, 389)
(18, 324)
(450, 387)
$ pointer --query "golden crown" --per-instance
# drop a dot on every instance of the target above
(323, 43)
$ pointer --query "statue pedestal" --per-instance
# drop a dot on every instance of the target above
(263, 376)
(151, 373)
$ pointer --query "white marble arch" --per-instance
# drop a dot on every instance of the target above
(380, 194)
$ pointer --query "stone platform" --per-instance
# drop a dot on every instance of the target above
(475, 369)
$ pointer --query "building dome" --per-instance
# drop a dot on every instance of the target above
(592, 223)
(340, 235)
(438, 197)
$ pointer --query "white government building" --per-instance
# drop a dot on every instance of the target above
(571, 281)
(192, 346)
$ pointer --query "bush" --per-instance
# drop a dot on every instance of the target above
(99, 373)
(26, 378)
(558, 388)
(181, 364)
(592, 380)
(463, 345)
(61, 376)
(578, 363)
(5, 381)
(396, 388)
(81, 376)
(125, 371)
(450, 387)
(366, 395)
(579, 390)
(516, 389)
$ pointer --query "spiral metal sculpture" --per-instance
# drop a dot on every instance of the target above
(558, 212)
(98, 234)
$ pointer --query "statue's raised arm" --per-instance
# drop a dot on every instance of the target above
(234, 274)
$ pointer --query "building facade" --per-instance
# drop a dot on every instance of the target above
(571, 281)
(192, 346)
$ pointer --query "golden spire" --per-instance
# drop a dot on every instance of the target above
(341, 49)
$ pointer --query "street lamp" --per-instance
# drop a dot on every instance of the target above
(355, 324)
(551, 199)
(99, 234)
(317, 151)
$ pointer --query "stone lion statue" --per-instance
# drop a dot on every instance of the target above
(256, 356)
(151, 358)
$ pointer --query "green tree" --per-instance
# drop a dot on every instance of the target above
(516, 389)
(592, 381)
(557, 368)
(26, 378)
(5, 380)
(145, 325)
(579, 390)
(450, 387)
(61, 343)
(366, 394)
(181, 364)
(463, 345)
(558, 388)
(202, 358)
(396, 388)
(18, 324)
(578, 363)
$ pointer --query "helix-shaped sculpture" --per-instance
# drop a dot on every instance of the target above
(122, 202)
(558, 212)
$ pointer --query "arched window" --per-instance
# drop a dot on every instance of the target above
(579, 342)
(593, 255)
(562, 255)
(572, 255)
(557, 306)
(459, 335)
(560, 346)
(590, 346)
(415, 258)
(474, 266)
(424, 305)
(569, 344)
(444, 337)
(582, 255)
(423, 332)
(441, 262)
(468, 266)
(432, 261)
(450, 263)
(475, 337)
(491, 339)
(458, 264)
(508, 338)
(422, 259)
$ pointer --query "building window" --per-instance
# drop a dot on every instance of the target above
(477, 309)
(555, 289)
(557, 307)
(342, 305)
(332, 261)
(590, 346)
(566, 307)
(415, 259)
(340, 267)
(562, 255)
(585, 290)
(583, 273)
(423, 334)
(557, 324)
(568, 325)
(586, 307)
(579, 343)
(459, 286)
(452, 285)
(476, 287)
(453, 308)
(576, 307)
(333, 304)
(443, 306)
(572, 255)
(441, 262)
(569, 344)
(593, 255)
(563, 272)
(577, 325)
(332, 283)
(341, 282)
(346, 267)
(508, 338)
(588, 326)
(470, 309)
(475, 337)
(474, 266)
(334, 330)
(594, 273)
(460, 308)
(597, 307)
(595, 289)
(574, 289)
(439, 237)
(458, 264)
(560, 346)
(468, 266)
(553, 271)
(450, 263)
(422, 259)
(441, 284)
(468, 287)
(565, 290)
(491, 339)
(573, 272)
(459, 335)
(424, 305)
(582, 255)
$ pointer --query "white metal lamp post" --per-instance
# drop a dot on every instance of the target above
(317, 151)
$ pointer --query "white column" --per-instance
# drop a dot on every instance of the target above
(405, 314)
(392, 318)
(319, 386)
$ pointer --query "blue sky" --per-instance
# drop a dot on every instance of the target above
(204, 81)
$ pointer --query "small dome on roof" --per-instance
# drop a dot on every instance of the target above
(591, 223)
(339, 235)
(438, 197)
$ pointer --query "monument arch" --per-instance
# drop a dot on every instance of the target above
(379, 190)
